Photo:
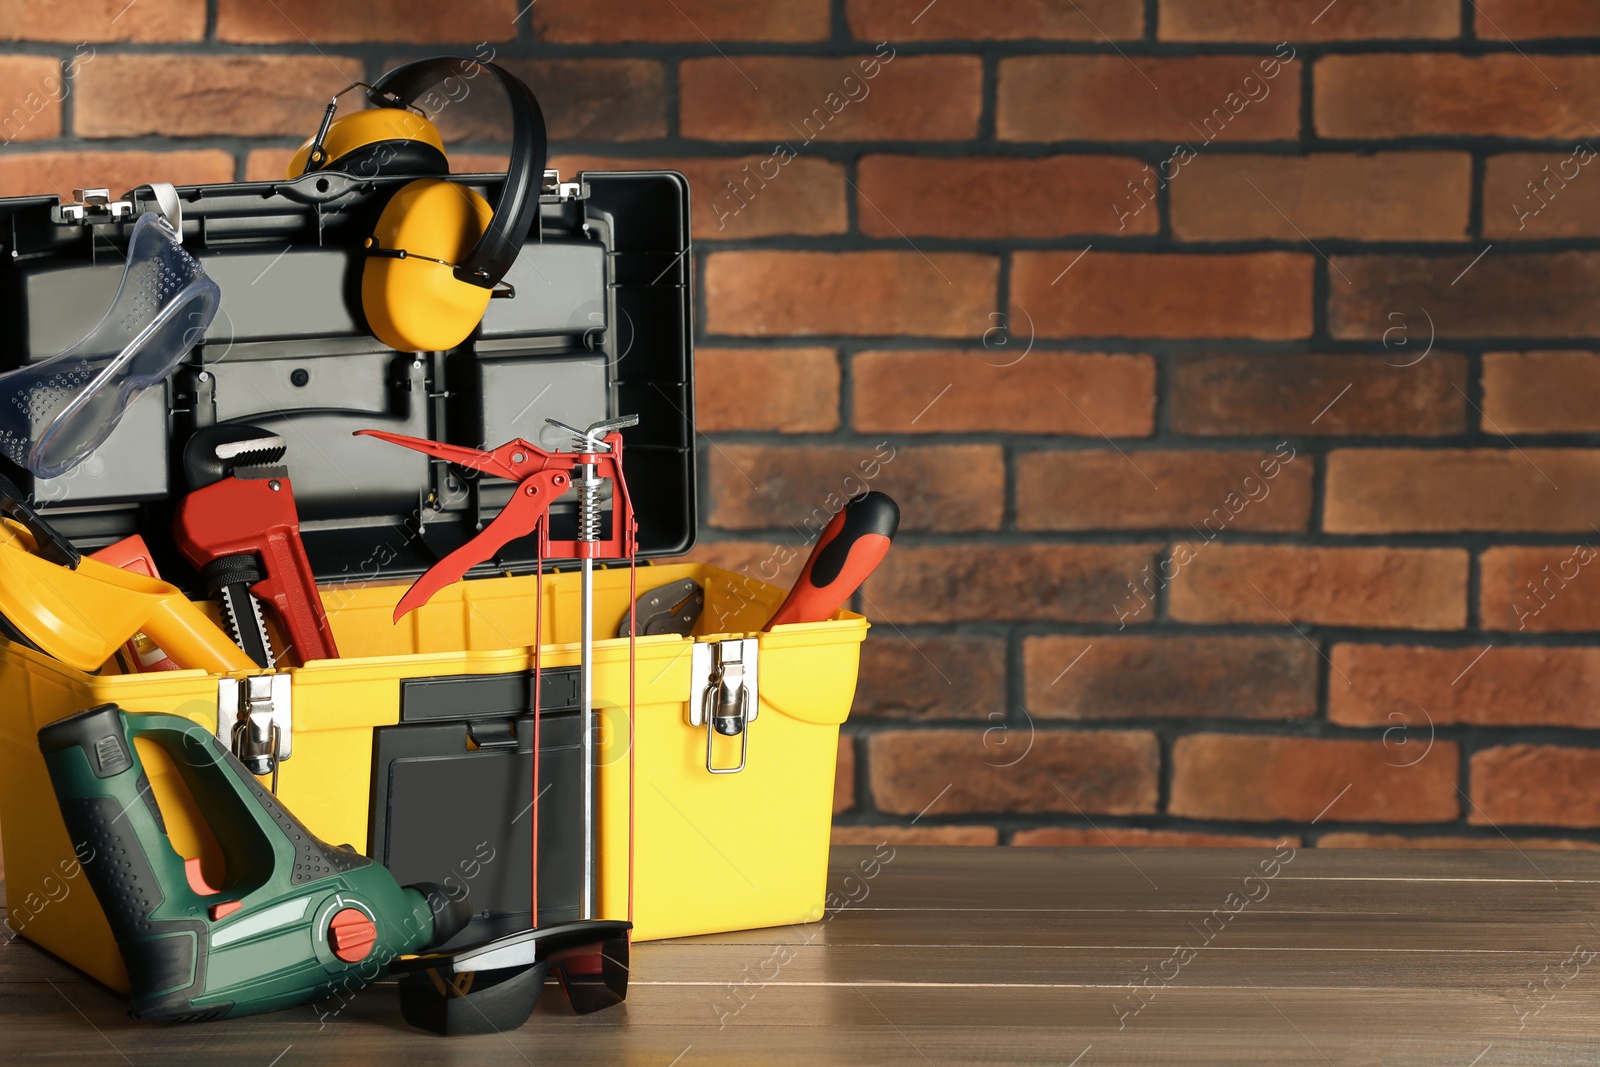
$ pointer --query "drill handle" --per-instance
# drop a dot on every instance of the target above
(116, 827)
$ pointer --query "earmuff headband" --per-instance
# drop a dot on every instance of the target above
(518, 206)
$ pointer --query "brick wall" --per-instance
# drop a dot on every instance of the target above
(1231, 360)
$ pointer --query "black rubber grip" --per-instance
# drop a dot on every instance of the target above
(98, 731)
(164, 972)
(109, 829)
(870, 513)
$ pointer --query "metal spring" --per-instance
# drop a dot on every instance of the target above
(589, 514)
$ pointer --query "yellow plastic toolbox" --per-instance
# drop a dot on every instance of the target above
(682, 850)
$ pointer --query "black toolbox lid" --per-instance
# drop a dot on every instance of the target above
(600, 326)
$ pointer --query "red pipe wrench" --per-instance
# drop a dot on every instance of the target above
(542, 478)
(241, 512)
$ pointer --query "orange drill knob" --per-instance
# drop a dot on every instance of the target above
(351, 935)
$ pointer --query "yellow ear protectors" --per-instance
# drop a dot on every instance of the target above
(373, 141)
(438, 250)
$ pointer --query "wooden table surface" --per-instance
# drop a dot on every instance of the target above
(1086, 957)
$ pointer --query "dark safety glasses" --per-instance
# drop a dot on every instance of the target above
(494, 986)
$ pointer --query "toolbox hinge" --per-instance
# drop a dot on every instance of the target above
(255, 720)
(723, 693)
(92, 206)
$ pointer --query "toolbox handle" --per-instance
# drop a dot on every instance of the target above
(518, 206)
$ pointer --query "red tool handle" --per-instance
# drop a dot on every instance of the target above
(521, 515)
(851, 546)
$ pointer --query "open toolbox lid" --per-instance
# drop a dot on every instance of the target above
(599, 326)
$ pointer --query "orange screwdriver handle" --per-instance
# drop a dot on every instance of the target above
(851, 546)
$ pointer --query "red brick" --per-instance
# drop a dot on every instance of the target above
(628, 21)
(479, 162)
(1100, 771)
(1103, 677)
(582, 100)
(1503, 295)
(777, 563)
(1406, 588)
(102, 20)
(905, 392)
(30, 109)
(1414, 689)
(1420, 94)
(267, 164)
(1491, 841)
(1191, 100)
(942, 487)
(1056, 196)
(1039, 583)
(1534, 195)
(1262, 779)
(1535, 785)
(942, 294)
(1125, 837)
(194, 96)
(844, 775)
(1387, 196)
(1231, 21)
(1140, 490)
(1394, 394)
(354, 21)
(1272, 21)
(32, 173)
(915, 835)
(916, 20)
(1540, 590)
(789, 390)
(768, 196)
(934, 676)
(1398, 490)
(1541, 392)
(839, 98)
(1264, 295)
(1496, 20)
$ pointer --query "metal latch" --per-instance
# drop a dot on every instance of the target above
(92, 206)
(723, 693)
(255, 718)
(552, 185)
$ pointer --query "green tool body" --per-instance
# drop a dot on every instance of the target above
(298, 920)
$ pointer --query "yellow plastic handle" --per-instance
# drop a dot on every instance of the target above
(82, 617)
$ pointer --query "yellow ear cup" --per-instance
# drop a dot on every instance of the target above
(367, 127)
(416, 304)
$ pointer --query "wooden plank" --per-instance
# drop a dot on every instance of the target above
(1007, 956)
(841, 1024)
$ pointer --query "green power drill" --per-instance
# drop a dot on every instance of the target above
(299, 920)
